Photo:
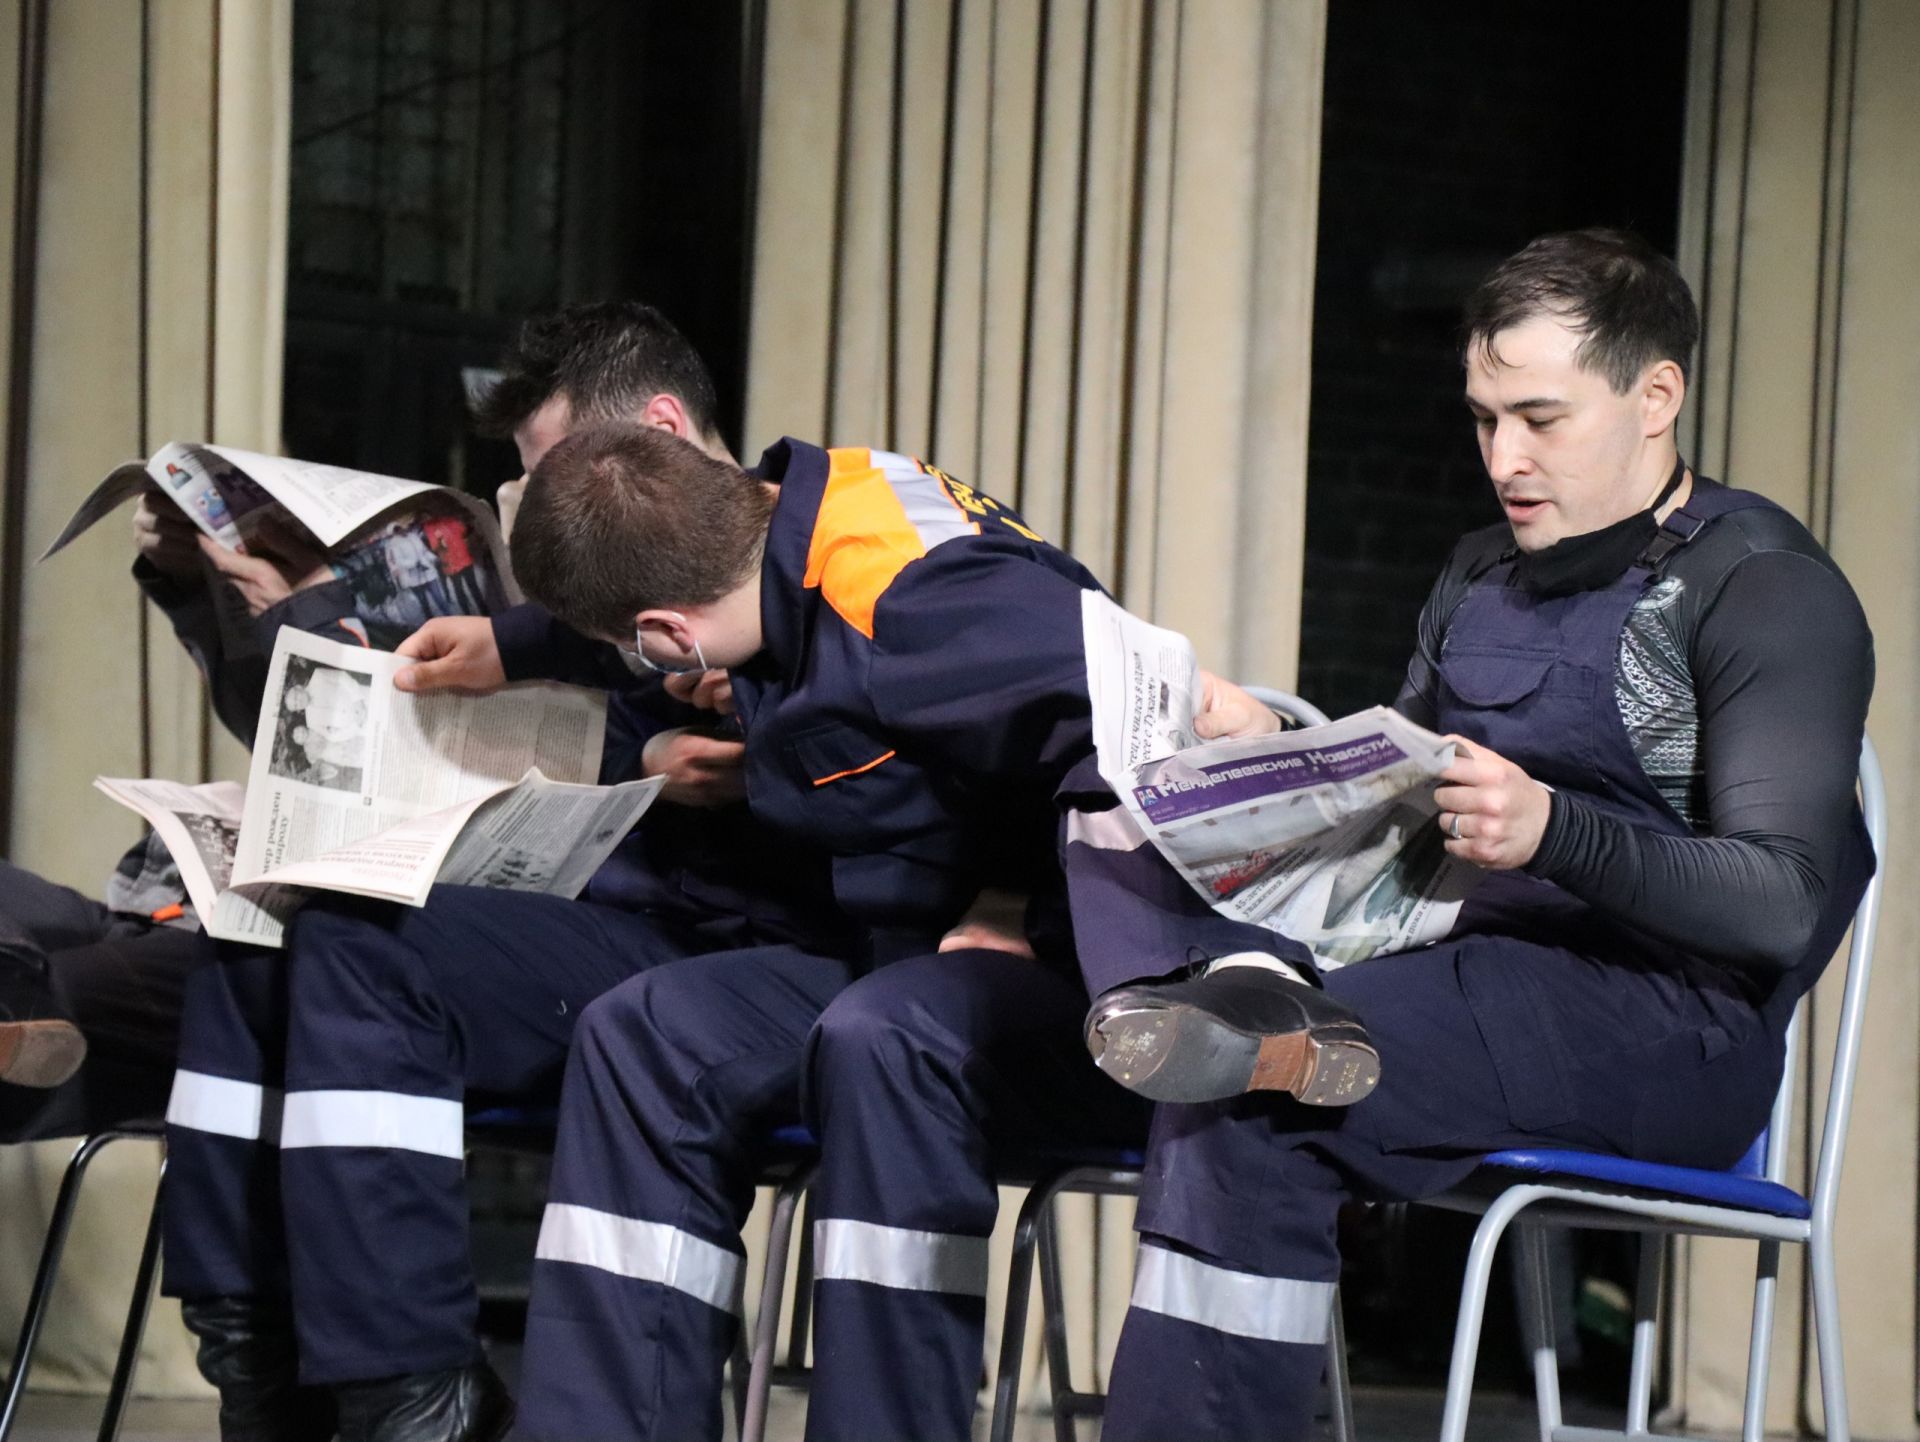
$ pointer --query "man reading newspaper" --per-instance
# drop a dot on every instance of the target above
(101, 982)
(316, 1206)
(1657, 685)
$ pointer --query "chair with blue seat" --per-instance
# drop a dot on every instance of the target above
(1536, 1189)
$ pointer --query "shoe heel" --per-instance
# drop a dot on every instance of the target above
(40, 1053)
(1337, 1073)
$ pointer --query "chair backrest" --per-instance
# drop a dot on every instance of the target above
(1853, 1010)
(1768, 1155)
(1288, 704)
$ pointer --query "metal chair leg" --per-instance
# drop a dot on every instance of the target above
(1473, 1307)
(121, 1390)
(49, 1270)
(766, 1329)
(1766, 1286)
(801, 1326)
(1646, 1335)
(1826, 1328)
(1053, 1322)
(1339, 1384)
(1537, 1319)
(1013, 1325)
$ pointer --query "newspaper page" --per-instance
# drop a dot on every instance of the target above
(199, 824)
(1324, 834)
(441, 544)
(341, 755)
(536, 835)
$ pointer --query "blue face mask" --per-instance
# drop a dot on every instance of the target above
(640, 664)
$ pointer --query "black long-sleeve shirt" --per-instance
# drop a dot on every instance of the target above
(1743, 679)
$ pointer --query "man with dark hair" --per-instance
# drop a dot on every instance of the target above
(907, 661)
(91, 991)
(316, 1208)
(1658, 687)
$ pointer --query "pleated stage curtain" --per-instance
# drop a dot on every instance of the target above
(1065, 249)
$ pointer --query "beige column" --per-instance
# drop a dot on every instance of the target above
(158, 315)
(1801, 193)
(1064, 248)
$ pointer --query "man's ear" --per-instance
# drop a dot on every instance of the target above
(1663, 390)
(666, 412)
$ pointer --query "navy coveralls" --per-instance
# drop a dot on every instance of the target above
(1538, 1022)
(316, 1126)
(921, 690)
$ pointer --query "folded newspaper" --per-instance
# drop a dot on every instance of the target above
(1324, 834)
(362, 788)
(408, 551)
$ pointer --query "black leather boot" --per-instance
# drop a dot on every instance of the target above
(1236, 1029)
(39, 1045)
(247, 1351)
(467, 1404)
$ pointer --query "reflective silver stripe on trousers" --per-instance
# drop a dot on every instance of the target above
(645, 1251)
(224, 1107)
(846, 1251)
(1269, 1309)
(1111, 830)
(393, 1120)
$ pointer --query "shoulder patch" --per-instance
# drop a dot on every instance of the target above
(879, 512)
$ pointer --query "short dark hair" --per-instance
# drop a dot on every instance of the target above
(1629, 302)
(620, 519)
(608, 358)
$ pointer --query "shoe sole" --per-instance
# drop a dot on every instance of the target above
(1171, 1055)
(40, 1053)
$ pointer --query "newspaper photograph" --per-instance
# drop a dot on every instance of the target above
(407, 551)
(359, 787)
(199, 824)
(1324, 834)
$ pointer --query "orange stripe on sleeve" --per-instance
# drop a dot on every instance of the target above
(862, 539)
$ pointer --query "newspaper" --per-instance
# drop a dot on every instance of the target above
(1324, 834)
(361, 788)
(408, 551)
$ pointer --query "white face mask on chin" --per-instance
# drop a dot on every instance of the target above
(640, 664)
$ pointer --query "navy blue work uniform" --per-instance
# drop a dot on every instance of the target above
(317, 1120)
(1539, 1021)
(921, 690)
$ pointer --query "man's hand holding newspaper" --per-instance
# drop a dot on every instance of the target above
(1325, 834)
(359, 787)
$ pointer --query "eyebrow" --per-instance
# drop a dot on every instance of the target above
(1532, 403)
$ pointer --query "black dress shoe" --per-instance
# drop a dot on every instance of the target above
(39, 1046)
(1237, 1029)
(247, 1351)
(466, 1404)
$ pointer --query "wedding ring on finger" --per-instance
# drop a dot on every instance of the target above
(1453, 828)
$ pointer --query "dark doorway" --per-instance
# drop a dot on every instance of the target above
(457, 165)
(1453, 134)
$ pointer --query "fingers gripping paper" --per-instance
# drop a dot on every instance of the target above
(1324, 834)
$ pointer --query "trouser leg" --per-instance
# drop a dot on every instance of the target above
(1485, 1043)
(126, 994)
(676, 1079)
(221, 1215)
(396, 1015)
(922, 1079)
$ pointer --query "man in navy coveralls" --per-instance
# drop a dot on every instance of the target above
(913, 685)
(1660, 684)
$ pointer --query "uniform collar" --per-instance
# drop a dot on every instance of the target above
(800, 471)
